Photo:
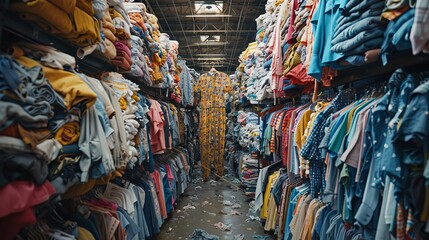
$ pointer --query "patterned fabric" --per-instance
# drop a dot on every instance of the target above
(212, 90)
(420, 29)
(310, 150)
(285, 137)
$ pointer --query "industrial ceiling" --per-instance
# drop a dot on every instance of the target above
(210, 33)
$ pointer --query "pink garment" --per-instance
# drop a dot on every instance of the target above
(16, 208)
(277, 63)
(19, 196)
(157, 134)
(291, 28)
(160, 192)
(170, 178)
(104, 203)
(362, 133)
(122, 47)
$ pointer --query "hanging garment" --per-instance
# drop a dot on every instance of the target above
(212, 87)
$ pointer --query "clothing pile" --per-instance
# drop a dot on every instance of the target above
(299, 41)
(250, 166)
(124, 32)
(248, 139)
(232, 147)
(64, 133)
(130, 207)
(361, 159)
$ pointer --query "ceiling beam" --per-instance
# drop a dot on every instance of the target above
(219, 31)
(235, 4)
(199, 44)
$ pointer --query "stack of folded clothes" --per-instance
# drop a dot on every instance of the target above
(248, 138)
(359, 31)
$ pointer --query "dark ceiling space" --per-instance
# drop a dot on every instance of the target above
(210, 33)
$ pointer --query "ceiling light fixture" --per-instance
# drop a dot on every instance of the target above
(210, 38)
(208, 15)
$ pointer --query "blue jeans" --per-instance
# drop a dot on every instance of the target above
(354, 42)
(363, 47)
(356, 28)
(346, 21)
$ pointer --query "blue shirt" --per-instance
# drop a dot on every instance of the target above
(324, 22)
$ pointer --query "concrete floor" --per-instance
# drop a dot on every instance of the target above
(209, 201)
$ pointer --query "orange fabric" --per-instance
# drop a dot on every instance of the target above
(69, 133)
(65, 5)
(137, 19)
(123, 103)
(33, 137)
(86, 29)
(57, 21)
(109, 34)
(86, 6)
(328, 74)
(394, 14)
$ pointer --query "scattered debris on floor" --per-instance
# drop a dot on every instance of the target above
(220, 196)
(222, 226)
(261, 237)
(198, 188)
(227, 203)
(230, 213)
(213, 183)
(189, 206)
(200, 234)
(239, 237)
(252, 219)
(205, 203)
(169, 229)
(236, 181)
(249, 229)
(236, 206)
(234, 213)
(197, 180)
(252, 215)
(194, 198)
(210, 213)
(223, 212)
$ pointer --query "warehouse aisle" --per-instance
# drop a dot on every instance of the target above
(205, 205)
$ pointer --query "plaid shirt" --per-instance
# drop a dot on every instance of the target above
(311, 151)
(285, 137)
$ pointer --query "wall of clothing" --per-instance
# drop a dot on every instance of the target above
(349, 164)
(300, 41)
(93, 155)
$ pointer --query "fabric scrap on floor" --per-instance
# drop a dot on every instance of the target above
(200, 234)
(239, 237)
(222, 226)
(236, 206)
(189, 206)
